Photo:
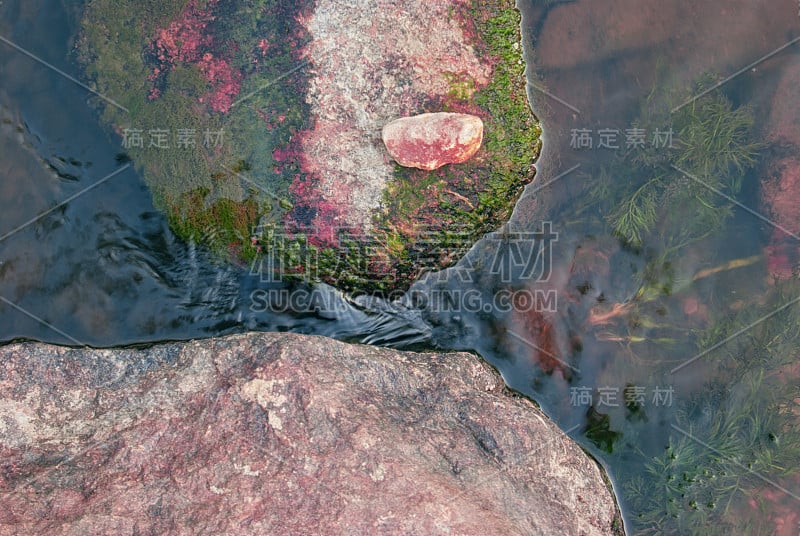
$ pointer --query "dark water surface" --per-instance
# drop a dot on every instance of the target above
(620, 344)
(103, 269)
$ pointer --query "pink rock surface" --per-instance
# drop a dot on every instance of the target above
(373, 62)
(281, 434)
(429, 141)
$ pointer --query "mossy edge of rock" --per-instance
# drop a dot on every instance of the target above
(206, 200)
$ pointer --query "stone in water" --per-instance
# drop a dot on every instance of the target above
(429, 141)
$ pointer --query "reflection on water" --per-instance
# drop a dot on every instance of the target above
(672, 351)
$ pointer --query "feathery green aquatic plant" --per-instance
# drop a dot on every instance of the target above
(739, 435)
(670, 196)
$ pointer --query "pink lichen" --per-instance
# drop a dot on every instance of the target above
(318, 218)
(226, 82)
(187, 40)
(186, 36)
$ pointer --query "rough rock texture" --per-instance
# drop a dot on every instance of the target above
(258, 125)
(429, 141)
(373, 62)
(277, 434)
(368, 64)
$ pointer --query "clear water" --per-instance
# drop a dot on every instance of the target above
(104, 269)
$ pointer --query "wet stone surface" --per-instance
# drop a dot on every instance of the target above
(251, 122)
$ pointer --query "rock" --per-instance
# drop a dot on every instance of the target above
(280, 433)
(372, 63)
(286, 102)
(429, 141)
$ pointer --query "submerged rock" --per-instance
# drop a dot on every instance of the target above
(429, 141)
(258, 129)
(279, 433)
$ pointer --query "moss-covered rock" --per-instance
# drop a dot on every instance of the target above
(256, 123)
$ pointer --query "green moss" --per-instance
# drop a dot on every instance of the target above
(478, 196)
(462, 86)
(513, 135)
(236, 172)
(223, 225)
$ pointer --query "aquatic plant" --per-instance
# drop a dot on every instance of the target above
(662, 202)
(671, 196)
(739, 435)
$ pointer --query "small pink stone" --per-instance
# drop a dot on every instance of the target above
(429, 141)
(690, 306)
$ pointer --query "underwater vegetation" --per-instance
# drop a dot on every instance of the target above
(666, 203)
(735, 445)
(669, 197)
(732, 460)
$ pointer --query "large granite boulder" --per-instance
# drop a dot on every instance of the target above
(430, 141)
(281, 434)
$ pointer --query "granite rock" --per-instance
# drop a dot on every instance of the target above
(281, 433)
(274, 114)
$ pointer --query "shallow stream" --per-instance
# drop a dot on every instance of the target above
(673, 360)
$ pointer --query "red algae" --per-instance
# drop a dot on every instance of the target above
(187, 40)
(226, 82)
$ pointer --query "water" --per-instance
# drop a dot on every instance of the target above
(105, 270)
(691, 382)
